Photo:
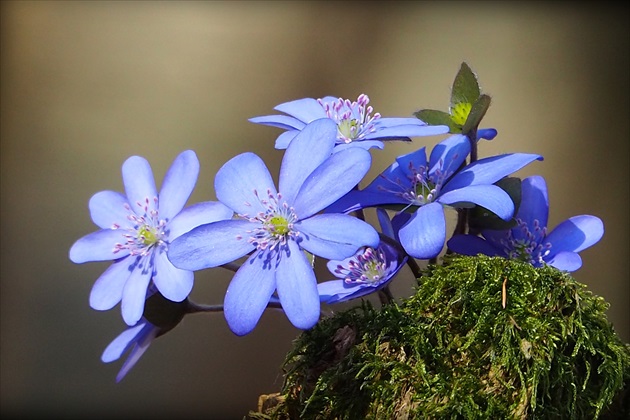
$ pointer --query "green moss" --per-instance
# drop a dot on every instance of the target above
(453, 351)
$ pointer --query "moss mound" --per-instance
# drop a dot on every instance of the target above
(454, 351)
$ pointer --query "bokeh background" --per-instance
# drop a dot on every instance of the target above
(87, 84)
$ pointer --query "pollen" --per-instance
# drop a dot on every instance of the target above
(147, 232)
(148, 235)
(355, 120)
(367, 267)
(274, 225)
(278, 225)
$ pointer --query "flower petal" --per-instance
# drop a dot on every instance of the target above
(108, 289)
(399, 220)
(566, 261)
(242, 182)
(389, 129)
(307, 151)
(363, 144)
(280, 121)
(356, 200)
(534, 202)
(335, 236)
(211, 245)
(109, 208)
(396, 121)
(178, 184)
(489, 170)
(98, 246)
(297, 288)
(173, 283)
(401, 172)
(306, 109)
(142, 344)
(134, 294)
(139, 184)
(472, 245)
(336, 293)
(486, 133)
(385, 223)
(424, 235)
(122, 342)
(333, 291)
(284, 139)
(576, 234)
(491, 197)
(196, 215)
(248, 294)
(334, 178)
(448, 155)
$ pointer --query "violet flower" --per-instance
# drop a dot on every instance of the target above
(357, 123)
(135, 232)
(367, 271)
(277, 228)
(530, 240)
(413, 183)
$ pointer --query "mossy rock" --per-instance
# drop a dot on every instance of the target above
(481, 338)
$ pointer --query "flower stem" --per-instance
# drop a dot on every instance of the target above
(385, 296)
(415, 268)
(194, 307)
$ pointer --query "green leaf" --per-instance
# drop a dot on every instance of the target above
(435, 117)
(465, 87)
(481, 218)
(477, 113)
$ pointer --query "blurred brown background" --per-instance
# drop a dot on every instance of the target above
(87, 84)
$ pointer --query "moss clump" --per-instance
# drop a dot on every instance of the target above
(453, 351)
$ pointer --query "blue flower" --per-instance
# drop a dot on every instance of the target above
(138, 338)
(135, 232)
(160, 316)
(530, 240)
(277, 227)
(412, 182)
(357, 124)
(368, 270)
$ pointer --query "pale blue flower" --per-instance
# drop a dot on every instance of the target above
(530, 240)
(135, 232)
(276, 228)
(357, 123)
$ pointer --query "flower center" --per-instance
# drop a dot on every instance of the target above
(354, 119)
(419, 189)
(148, 235)
(274, 225)
(147, 231)
(278, 225)
(368, 266)
(529, 248)
(459, 113)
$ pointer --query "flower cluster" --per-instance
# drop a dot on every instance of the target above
(271, 236)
